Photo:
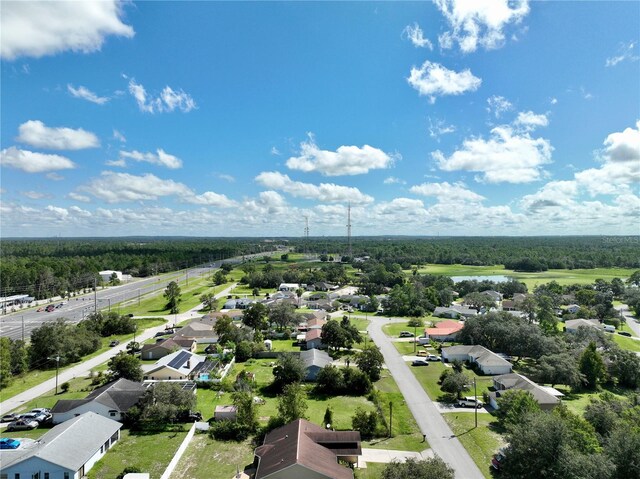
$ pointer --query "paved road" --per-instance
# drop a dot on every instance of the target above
(85, 367)
(631, 321)
(440, 437)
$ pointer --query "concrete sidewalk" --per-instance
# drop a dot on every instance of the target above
(84, 368)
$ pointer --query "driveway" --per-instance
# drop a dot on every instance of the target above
(440, 437)
(84, 368)
(388, 455)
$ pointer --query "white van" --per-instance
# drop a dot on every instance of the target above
(609, 328)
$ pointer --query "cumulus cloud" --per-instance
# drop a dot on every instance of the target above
(32, 162)
(506, 157)
(346, 160)
(119, 187)
(415, 34)
(446, 192)
(553, 194)
(86, 94)
(621, 164)
(433, 80)
(328, 192)
(36, 133)
(497, 105)
(479, 22)
(210, 198)
(160, 157)
(225, 177)
(79, 197)
(35, 195)
(438, 128)
(39, 28)
(392, 180)
(168, 100)
(626, 52)
(530, 120)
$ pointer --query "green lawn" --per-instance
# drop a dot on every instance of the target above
(37, 376)
(428, 377)
(626, 342)
(562, 276)
(405, 348)
(578, 402)
(372, 471)
(206, 457)
(282, 345)
(481, 442)
(151, 452)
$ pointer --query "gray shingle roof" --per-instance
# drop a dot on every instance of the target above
(315, 357)
(119, 395)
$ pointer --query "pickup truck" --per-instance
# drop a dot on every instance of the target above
(469, 402)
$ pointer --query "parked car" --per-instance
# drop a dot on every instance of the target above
(9, 417)
(406, 334)
(49, 308)
(113, 343)
(422, 354)
(22, 425)
(40, 310)
(419, 362)
(190, 416)
(423, 340)
(469, 402)
(43, 411)
(624, 333)
(8, 443)
(35, 416)
(433, 357)
(497, 460)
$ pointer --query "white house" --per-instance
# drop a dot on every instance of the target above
(488, 362)
(546, 397)
(181, 365)
(107, 274)
(68, 451)
(293, 287)
(572, 325)
(110, 401)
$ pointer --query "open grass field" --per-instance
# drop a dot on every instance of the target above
(481, 442)
(206, 457)
(37, 376)
(562, 276)
(151, 452)
(578, 402)
(428, 377)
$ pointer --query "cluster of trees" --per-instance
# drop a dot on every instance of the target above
(161, 404)
(605, 443)
(270, 277)
(349, 381)
(44, 268)
(341, 334)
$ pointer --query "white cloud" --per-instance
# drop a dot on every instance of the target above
(79, 197)
(160, 158)
(415, 34)
(621, 164)
(553, 101)
(54, 176)
(439, 128)
(168, 101)
(479, 22)
(432, 80)
(120, 163)
(392, 180)
(530, 120)
(446, 192)
(209, 198)
(498, 105)
(505, 157)
(86, 94)
(119, 187)
(626, 52)
(119, 136)
(39, 28)
(225, 177)
(322, 192)
(32, 162)
(35, 195)
(553, 194)
(346, 160)
(36, 133)
(274, 151)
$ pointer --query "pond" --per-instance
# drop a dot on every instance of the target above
(496, 278)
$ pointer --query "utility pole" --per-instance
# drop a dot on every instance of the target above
(390, 417)
(57, 358)
(306, 235)
(138, 296)
(22, 328)
(95, 296)
(475, 393)
(349, 253)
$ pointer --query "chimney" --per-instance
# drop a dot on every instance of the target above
(189, 363)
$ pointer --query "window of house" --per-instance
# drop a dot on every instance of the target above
(46, 475)
(112, 413)
(66, 475)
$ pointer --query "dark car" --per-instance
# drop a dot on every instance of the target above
(624, 333)
(8, 443)
(419, 362)
(498, 460)
(49, 308)
(9, 417)
(113, 343)
(190, 416)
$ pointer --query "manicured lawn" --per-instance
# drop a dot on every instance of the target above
(625, 327)
(481, 442)
(405, 348)
(562, 276)
(361, 323)
(393, 329)
(35, 377)
(578, 402)
(206, 457)
(428, 377)
(372, 471)
(151, 452)
(280, 345)
(627, 343)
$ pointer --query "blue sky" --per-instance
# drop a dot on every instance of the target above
(240, 119)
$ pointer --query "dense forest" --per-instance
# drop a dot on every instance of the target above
(48, 267)
(518, 253)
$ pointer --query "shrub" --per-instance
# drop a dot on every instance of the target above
(365, 422)
(64, 387)
(230, 431)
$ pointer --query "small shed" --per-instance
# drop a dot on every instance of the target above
(225, 413)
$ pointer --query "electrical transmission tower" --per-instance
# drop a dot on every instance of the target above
(306, 235)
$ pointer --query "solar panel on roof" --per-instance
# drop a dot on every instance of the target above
(179, 360)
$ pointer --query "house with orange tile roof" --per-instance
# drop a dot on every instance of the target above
(444, 331)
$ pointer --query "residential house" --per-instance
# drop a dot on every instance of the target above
(313, 340)
(112, 401)
(181, 365)
(165, 347)
(572, 325)
(573, 308)
(292, 287)
(314, 360)
(302, 450)
(202, 332)
(494, 295)
(444, 331)
(67, 451)
(455, 311)
(510, 305)
(546, 397)
(487, 361)
(322, 286)
(519, 297)
(321, 304)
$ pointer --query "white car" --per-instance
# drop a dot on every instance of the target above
(469, 402)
